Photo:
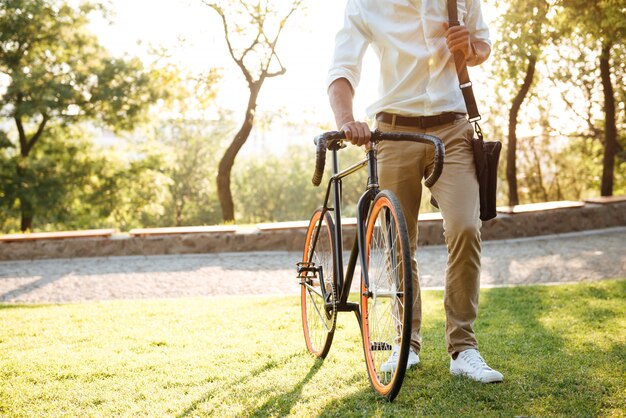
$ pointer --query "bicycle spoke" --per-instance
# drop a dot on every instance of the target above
(313, 290)
(317, 294)
(319, 314)
(383, 304)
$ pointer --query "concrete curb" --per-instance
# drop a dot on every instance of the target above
(589, 216)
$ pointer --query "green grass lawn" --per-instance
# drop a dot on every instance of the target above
(562, 350)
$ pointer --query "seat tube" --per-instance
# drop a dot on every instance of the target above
(338, 233)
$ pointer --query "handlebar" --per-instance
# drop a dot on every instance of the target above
(331, 139)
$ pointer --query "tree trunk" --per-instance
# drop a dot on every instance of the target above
(179, 212)
(27, 215)
(511, 168)
(228, 159)
(610, 128)
(27, 210)
(26, 207)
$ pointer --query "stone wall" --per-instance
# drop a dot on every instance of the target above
(553, 220)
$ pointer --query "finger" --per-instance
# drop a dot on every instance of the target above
(459, 43)
(355, 134)
(347, 131)
(461, 38)
(364, 133)
(358, 136)
(455, 29)
(461, 34)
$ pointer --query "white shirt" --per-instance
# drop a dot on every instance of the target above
(417, 72)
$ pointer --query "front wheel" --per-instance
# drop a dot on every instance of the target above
(317, 286)
(386, 296)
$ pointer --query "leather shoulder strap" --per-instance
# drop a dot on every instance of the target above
(461, 68)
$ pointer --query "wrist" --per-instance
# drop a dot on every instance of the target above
(344, 120)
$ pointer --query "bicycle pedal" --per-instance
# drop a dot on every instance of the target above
(304, 268)
(381, 346)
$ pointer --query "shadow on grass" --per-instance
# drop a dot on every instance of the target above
(267, 366)
(281, 405)
(540, 338)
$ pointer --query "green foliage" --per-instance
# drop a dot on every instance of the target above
(58, 75)
(561, 123)
(56, 81)
(42, 180)
(279, 188)
(162, 179)
(140, 193)
(605, 20)
(190, 152)
(525, 29)
(58, 69)
(187, 133)
(561, 349)
(74, 184)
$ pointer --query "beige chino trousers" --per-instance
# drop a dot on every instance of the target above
(401, 167)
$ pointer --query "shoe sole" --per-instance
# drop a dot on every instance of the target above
(492, 380)
(408, 366)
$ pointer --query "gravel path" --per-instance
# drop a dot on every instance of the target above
(563, 258)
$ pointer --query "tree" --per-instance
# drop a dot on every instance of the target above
(77, 184)
(252, 29)
(278, 187)
(190, 149)
(605, 22)
(524, 26)
(59, 75)
(186, 132)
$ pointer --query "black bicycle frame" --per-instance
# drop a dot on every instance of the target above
(344, 283)
(334, 142)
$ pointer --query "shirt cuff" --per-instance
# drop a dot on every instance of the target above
(338, 73)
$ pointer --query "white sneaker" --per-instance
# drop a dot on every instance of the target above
(390, 365)
(469, 363)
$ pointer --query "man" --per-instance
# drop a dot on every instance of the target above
(419, 92)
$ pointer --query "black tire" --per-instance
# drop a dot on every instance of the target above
(319, 318)
(385, 317)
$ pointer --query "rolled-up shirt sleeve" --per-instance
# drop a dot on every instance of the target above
(350, 45)
(475, 23)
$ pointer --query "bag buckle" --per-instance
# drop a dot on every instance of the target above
(477, 128)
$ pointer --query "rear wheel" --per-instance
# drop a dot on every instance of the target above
(317, 286)
(387, 298)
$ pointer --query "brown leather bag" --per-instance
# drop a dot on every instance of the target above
(486, 157)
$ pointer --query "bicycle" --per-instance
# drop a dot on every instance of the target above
(382, 245)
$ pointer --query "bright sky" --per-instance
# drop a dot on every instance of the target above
(193, 32)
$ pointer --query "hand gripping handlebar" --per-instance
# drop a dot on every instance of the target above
(329, 139)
